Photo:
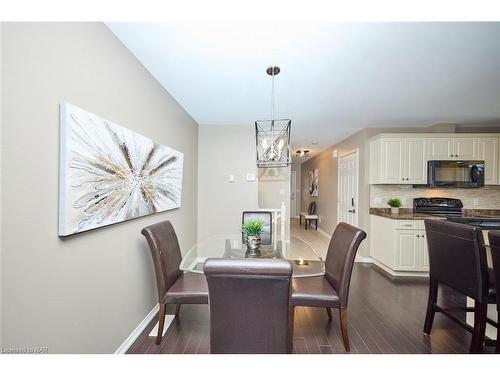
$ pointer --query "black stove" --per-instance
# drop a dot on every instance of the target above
(451, 209)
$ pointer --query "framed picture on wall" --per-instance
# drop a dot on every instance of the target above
(109, 174)
(313, 183)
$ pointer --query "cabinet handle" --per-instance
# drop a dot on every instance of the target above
(418, 235)
(456, 156)
(407, 178)
(451, 155)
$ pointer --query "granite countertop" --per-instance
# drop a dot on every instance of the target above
(404, 214)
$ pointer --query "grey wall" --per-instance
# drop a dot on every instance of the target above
(88, 292)
(225, 150)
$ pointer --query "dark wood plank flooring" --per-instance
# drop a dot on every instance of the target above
(385, 316)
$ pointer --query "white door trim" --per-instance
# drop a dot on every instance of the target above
(354, 151)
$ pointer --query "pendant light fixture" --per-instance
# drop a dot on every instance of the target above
(272, 137)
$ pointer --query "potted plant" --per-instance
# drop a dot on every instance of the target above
(252, 230)
(394, 203)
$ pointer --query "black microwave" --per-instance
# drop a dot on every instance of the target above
(455, 173)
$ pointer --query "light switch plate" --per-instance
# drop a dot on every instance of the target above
(231, 178)
(250, 177)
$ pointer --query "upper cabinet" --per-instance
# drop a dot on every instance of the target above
(398, 161)
(402, 158)
(440, 149)
(488, 151)
(452, 148)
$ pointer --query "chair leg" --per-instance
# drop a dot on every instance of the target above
(343, 327)
(161, 322)
(431, 303)
(329, 312)
(476, 345)
(177, 309)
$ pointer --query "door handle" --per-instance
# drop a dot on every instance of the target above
(353, 211)
(352, 202)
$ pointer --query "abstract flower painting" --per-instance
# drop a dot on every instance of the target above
(109, 174)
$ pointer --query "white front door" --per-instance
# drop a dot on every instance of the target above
(293, 189)
(348, 189)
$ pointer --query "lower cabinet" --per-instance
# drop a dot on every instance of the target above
(399, 246)
(411, 250)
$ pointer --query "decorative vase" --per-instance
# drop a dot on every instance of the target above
(253, 242)
(395, 210)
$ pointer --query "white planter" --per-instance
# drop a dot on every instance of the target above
(394, 210)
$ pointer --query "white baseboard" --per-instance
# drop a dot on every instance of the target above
(362, 259)
(137, 331)
(399, 273)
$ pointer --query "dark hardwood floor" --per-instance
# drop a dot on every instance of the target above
(385, 316)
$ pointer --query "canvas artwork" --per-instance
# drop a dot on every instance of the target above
(313, 183)
(109, 174)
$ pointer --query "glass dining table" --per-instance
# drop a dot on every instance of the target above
(305, 261)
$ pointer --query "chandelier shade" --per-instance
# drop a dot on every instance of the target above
(273, 143)
(272, 137)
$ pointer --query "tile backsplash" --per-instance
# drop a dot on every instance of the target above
(487, 197)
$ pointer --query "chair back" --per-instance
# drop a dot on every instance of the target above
(457, 257)
(267, 218)
(311, 209)
(250, 305)
(166, 255)
(340, 258)
(494, 239)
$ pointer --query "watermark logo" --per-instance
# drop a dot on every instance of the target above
(25, 350)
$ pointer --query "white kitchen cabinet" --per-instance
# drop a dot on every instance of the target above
(453, 148)
(465, 148)
(488, 151)
(399, 246)
(424, 252)
(392, 159)
(415, 161)
(440, 149)
(402, 158)
(407, 250)
(398, 161)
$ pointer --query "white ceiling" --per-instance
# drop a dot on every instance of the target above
(335, 78)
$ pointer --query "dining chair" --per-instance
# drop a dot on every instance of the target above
(457, 259)
(332, 289)
(494, 240)
(174, 286)
(250, 305)
(310, 215)
(267, 219)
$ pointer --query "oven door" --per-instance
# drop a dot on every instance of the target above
(455, 173)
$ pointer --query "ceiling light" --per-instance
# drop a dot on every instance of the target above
(272, 137)
(301, 153)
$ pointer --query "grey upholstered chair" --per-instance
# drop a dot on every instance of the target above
(174, 286)
(250, 305)
(457, 258)
(332, 289)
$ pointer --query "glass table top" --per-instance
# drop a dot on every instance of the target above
(306, 262)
